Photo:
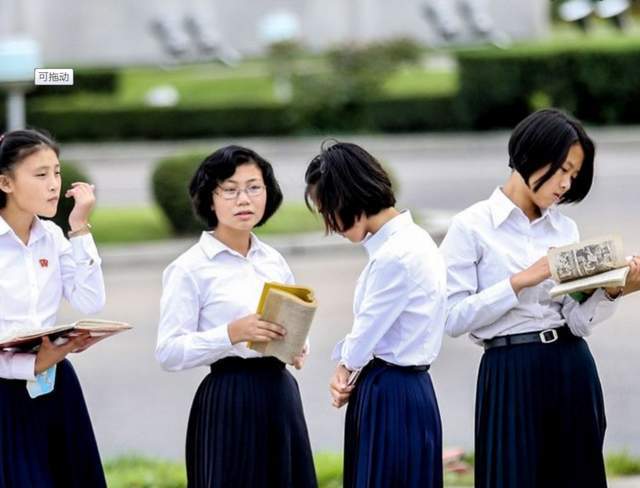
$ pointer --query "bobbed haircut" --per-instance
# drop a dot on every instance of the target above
(19, 144)
(219, 166)
(343, 182)
(544, 138)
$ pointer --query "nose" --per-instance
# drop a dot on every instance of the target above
(243, 197)
(566, 183)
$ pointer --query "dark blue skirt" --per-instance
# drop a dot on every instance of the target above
(247, 428)
(540, 418)
(393, 434)
(48, 441)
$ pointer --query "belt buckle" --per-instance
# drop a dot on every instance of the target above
(545, 340)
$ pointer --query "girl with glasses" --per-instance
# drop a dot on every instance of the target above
(540, 418)
(246, 426)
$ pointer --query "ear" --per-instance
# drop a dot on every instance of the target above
(5, 184)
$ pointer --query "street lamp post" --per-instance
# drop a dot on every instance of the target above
(18, 60)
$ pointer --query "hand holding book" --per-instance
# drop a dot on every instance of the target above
(587, 265)
(292, 308)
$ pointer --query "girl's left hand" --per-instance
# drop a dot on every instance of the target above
(85, 200)
(339, 387)
(298, 361)
(633, 278)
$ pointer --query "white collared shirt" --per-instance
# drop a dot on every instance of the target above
(206, 288)
(400, 299)
(35, 277)
(488, 243)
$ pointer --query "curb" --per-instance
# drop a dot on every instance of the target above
(313, 243)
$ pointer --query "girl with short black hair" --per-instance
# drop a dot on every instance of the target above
(246, 426)
(393, 431)
(540, 418)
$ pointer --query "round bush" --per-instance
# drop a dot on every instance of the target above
(70, 173)
(170, 182)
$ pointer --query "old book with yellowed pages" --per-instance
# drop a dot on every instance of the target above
(587, 265)
(23, 339)
(292, 307)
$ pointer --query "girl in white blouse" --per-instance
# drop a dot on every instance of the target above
(393, 430)
(46, 438)
(540, 418)
(246, 426)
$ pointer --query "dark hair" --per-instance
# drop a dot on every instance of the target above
(221, 165)
(544, 138)
(345, 181)
(19, 144)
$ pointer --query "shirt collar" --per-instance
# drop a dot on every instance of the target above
(502, 207)
(373, 242)
(38, 230)
(212, 246)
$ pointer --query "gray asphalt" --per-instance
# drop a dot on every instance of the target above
(138, 408)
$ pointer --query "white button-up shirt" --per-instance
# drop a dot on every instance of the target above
(400, 299)
(206, 288)
(35, 277)
(488, 243)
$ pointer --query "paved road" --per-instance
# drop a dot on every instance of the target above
(137, 407)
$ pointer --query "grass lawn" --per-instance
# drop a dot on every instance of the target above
(210, 85)
(120, 225)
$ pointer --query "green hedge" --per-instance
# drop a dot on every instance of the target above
(96, 80)
(598, 84)
(162, 123)
(386, 115)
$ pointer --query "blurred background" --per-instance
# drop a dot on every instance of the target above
(430, 87)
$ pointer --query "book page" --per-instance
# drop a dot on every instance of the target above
(613, 278)
(295, 316)
(586, 258)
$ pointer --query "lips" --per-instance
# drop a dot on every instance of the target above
(243, 213)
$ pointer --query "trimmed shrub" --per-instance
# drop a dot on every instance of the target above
(170, 184)
(70, 173)
(598, 84)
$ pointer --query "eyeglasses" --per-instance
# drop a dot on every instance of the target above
(251, 191)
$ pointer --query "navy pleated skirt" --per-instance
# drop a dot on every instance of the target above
(247, 429)
(393, 433)
(540, 418)
(47, 442)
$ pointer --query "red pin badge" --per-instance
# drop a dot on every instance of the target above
(44, 263)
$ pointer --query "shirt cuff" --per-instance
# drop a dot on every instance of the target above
(502, 295)
(23, 366)
(84, 249)
(336, 354)
(218, 336)
(597, 303)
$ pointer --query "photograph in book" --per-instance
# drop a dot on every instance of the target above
(293, 308)
(587, 265)
(29, 340)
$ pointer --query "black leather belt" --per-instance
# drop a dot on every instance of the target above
(545, 337)
(382, 362)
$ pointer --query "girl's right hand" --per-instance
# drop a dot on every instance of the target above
(50, 354)
(253, 328)
(532, 276)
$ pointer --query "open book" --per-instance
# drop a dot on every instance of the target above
(22, 339)
(590, 264)
(291, 307)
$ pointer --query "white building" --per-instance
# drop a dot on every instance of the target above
(117, 32)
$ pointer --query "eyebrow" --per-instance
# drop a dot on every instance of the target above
(568, 161)
(248, 181)
(40, 168)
